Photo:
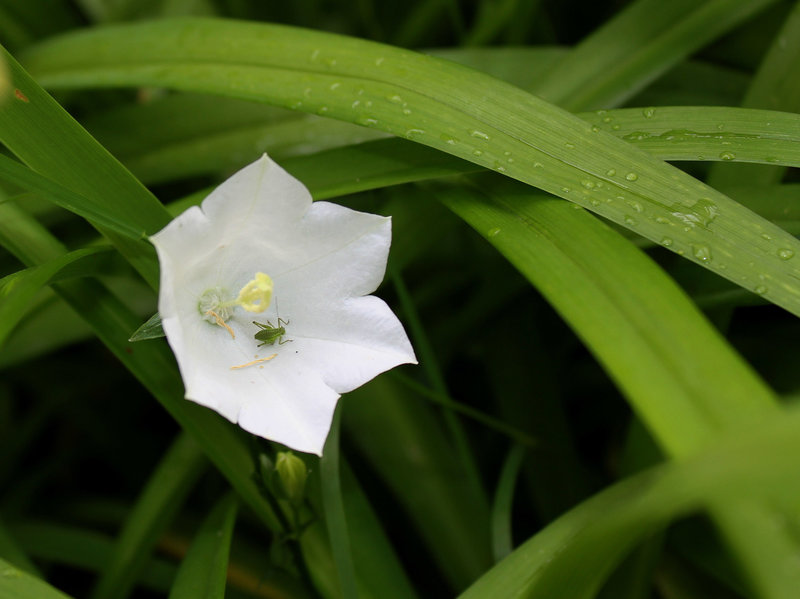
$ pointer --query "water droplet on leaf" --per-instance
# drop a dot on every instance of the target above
(701, 252)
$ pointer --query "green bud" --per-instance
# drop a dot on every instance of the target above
(292, 473)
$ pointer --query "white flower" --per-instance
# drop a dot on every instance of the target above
(259, 235)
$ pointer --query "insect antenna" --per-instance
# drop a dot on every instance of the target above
(278, 313)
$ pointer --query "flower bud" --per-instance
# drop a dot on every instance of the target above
(292, 473)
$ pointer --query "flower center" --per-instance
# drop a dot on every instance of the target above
(217, 304)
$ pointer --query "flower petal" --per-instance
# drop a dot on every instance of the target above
(323, 259)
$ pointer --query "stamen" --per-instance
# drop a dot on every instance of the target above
(254, 362)
(221, 322)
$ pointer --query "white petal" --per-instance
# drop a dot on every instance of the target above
(323, 258)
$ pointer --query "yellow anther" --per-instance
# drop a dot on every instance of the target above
(221, 323)
(257, 294)
(254, 362)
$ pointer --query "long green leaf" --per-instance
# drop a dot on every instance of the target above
(204, 570)
(445, 106)
(18, 290)
(653, 361)
(160, 500)
(776, 86)
(11, 551)
(84, 549)
(707, 133)
(184, 135)
(401, 437)
(333, 505)
(636, 46)
(35, 128)
(16, 584)
(14, 172)
(563, 560)
(646, 333)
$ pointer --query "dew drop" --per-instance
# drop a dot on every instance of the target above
(322, 110)
(594, 202)
(335, 86)
(588, 184)
(662, 220)
(785, 253)
(395, 99)
(477, 152)
(493, 232)
(611, 172)
(537, 165)
(702, 253)
(569, 146)
(637, 136)
(727, 156)
(629, 220)
(607, 119)
(631, 177)
(412, 132)
(702, 212)
(649, 113)
(666, 242)
(367, 121)
(355, 104)
(766, 236)
(761, 289)
(635, 205)
(447, 139)
(479, 135)
(379, 61)
(406, 111)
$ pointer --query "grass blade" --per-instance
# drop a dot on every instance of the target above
(487, 122)
(636, 46)
(18, 290)
(639, 324)
(333, 505)
(160, 500)
(204, 570)
(562, 560)
(35, 128)
(16, 584)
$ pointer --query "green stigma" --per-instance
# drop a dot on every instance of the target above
(216, 305)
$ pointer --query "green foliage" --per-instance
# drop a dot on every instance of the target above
(603, 405)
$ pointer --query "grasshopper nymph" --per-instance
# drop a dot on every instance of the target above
(269, 334)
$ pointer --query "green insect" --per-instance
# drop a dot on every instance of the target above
(269, 334)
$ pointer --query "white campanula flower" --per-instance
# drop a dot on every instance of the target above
(258, 245)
